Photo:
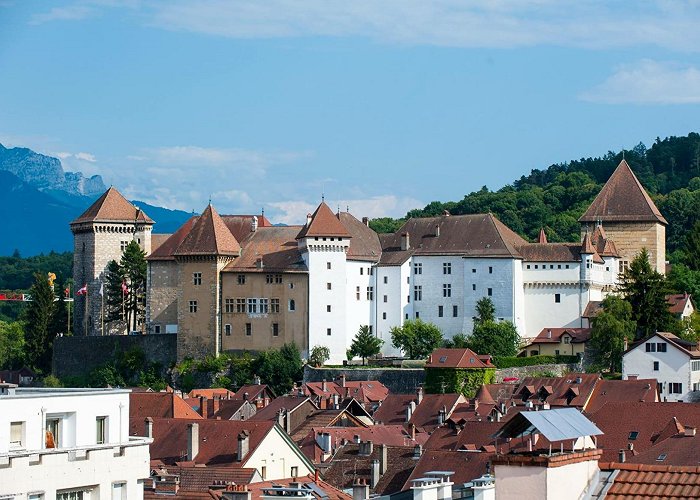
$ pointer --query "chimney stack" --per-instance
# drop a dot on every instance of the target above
(375, 473)
(419, 395)
(203, 406)
(366, 448)
(409, 410)
(254, 224)
(236, 492)
(442, 415)
(437, 231)
(243, 445)
(360, 490)
(256, 380)
(383, 458)
(412, 431)
(192, 441)
(621, 456)
(342, 380)
(149, 427)
(365, 221)
(405, 241)
(324, 385)
(308, 220)
(417, 451)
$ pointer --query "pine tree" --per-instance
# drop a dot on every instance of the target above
(133, 267)
(611, 327)
(365, 344)
(59, 322)
(38, 317)
(114, 297)
(485, 310)
(692, 247)
(645, 289)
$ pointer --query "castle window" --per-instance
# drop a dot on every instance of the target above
(446, 268)
(418, 268)
(386, 279)
(278, 279)
(274, 306)
(275, 329)
(156, 329)
(357, 293)
(558, 266)
(567, 266)
(383, 315)
(490, 270)
(229, 305)
(268, 278)
(417, 315)
(417, 292)
(370, 293)
(440, 311)
(528, 266)
(455, 311)
(196, 279)
(474, 287)
(248, 329)
(252, 306)
(386, 298)
(241, 279)
(328, 308)
(656, 366)
(292, 305)
(264, 303)
(489, 292)
(329, 286)
(328, 331)
(123, 245)
(240, 306)
(362, 271)
(328, 265)
(227, 330)
(291, 285)
(557, 298)
(446, 290)
(193, 306)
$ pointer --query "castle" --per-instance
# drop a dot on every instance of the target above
(237, 282)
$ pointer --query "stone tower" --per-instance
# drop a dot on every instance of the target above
(201, 256)
(100, 235)
(630, 217)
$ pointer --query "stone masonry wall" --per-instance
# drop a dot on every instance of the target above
(76, 356)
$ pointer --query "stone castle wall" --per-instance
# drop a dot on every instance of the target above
(162, 290)
(631, 237)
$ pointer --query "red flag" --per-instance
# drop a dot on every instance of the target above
(82, 291)
(66, 292)
(125, 290)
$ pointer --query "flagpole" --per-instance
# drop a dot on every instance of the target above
(102, 308)
(85, 320)
(69, 303)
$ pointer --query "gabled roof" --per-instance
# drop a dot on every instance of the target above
(269, 249)
(679, 449)
(457, 358)
(554, 335)
(209, 236)
(253, 391)
(159, 405)
(218, 439)
(393, 409)
(210, 393)
(565, 391)
(166, 249)
(617, 391)
(425, 416)
(113, 207)
(678, 302)
(686, 347)
(623, 199)
(324, 223)
(650, 482)
(364, 242)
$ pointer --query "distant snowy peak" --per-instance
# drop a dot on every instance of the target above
(46, 173)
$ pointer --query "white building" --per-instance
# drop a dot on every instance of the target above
(69, 444)
(672, 361)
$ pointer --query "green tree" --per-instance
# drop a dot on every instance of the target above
(114, 297)
(133, 266)
(279, 368)
(319, 355)
(611, 328)
(497, 338)
(59, 322)
(485, 310)
(365, 344)
(416, 338)
(459, 341)
(11, 345)
(692, 247)
(645, 289)
(38, 317)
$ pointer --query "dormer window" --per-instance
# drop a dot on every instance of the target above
(633, 435)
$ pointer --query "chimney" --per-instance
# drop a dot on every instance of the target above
(412, 431)
(216, 402)
(437, 231)
(342, 380)
(409, 410)
(383, 458)
(280, 418)
(621, 456)
(236, 492)
(192, 441)
(336, 401)
(405, 241)
(308, 219)
(630, 446)
(256, 380)
(245, 396)
(441, 415)
(689, 431)
(419, 395)
(356, 439)
(375, 473)
(243, 445)
(417, 451)
(360, 490)
(324, 441)
(254, 224)
(149, 427)
(549, 334)
(203, 406)
(324, 385)
(366, 448)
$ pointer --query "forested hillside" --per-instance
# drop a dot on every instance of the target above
(554, 198)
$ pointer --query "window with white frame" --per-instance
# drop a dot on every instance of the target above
(196, 279)
(101, 430)
(274, 306)
(17, 435)
(193, 306)
(252, 306)
(446, 268)
(446, 290)
(264, 306)
(229, 305)
(417, 292)
(418, 268)
(240, 305)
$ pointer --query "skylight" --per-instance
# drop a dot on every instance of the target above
(661, 457)
(633, 435)
(443, 359)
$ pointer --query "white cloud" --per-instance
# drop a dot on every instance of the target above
(388, 205)
(648, 82)
(240, 198)
(68, 13)
(86, 157)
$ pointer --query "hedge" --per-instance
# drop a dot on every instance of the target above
(514, 361)
(457, 380)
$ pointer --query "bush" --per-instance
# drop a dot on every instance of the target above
(516, 361)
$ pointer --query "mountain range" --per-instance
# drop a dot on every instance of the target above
(39, 199)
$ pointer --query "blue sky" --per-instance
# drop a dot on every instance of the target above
(383, 106)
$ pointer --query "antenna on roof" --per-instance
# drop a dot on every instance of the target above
(209, 199)
(623, 153)
(323, 196)
(347, 208)
(262, 211)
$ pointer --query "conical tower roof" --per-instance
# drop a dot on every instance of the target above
(324, 223)
(587, 245)
(113, 207)
(209, 236)
(623, 199)
(542, 238)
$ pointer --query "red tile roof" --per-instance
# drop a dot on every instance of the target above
(113, 207)
(209, 236)
(678, 302)
(320, 489)
(554, 335)
(457, 358)
(618, 391)
(393, 409)
(563, 391)
(637, 481)
(623, 198)
(324, 223)
(241, 226)
(218, 439)
(364, 391)
(275, 247)
(425, 416)
(364, 244)
(465, 465)
(166, 249)
(679, 449)
(211, 393)
(253, 391)
(159, 405)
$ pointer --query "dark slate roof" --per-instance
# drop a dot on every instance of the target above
(113, 207)
(623, 199)
(477, 235)
(276, 246)
(364, 244)
(209, 236)
(324, 223)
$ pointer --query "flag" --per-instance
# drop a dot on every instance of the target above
(66, 292)
(82, 291)
(102, 289)
(125, 290)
